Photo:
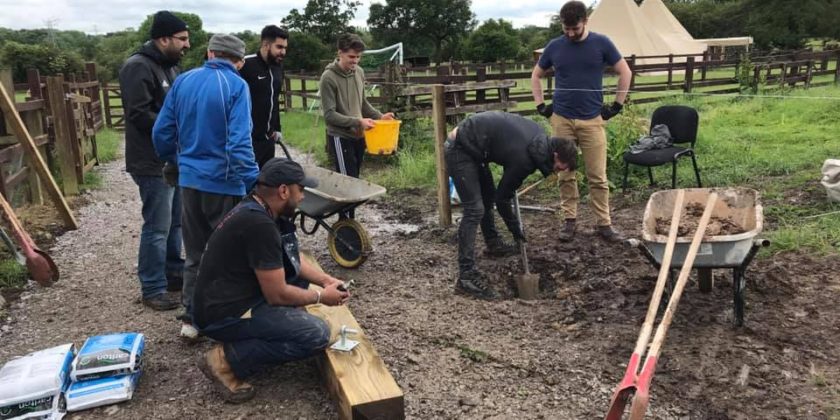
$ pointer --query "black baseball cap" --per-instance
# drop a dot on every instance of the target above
(282, 171)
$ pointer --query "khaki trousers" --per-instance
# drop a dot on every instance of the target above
(592, 142)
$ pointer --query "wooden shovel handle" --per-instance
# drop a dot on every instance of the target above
(662, 329)
(17, 227)
(664, 269)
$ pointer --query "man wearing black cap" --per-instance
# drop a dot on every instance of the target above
(264, 73)
(145, 79)
(521, 147)
(204, 128)
(253, 285)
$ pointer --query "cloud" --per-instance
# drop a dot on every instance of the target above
(95, 16)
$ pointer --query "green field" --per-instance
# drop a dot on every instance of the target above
(775, 144)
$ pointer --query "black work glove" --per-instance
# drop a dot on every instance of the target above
(609, 111)
(545, 110)
(170, 174)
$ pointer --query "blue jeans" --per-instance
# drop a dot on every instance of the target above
(273, 335)
(160, 237)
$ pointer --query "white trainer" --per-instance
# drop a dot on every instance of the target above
(188, 332)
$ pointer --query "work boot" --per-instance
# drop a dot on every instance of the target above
(216, 368)
(568, 231)
(162, 302)
(609, 234)
(497, 247)
(189, 333)
(473, 283)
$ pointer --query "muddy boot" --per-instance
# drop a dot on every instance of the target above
(162, 302)
(497, 247)
(568, 231)
(609, 234)
(472, 282)
(216, 368)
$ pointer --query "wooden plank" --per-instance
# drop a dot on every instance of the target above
(83, 85)
(439, 116)
(30, 105)
(25, 139)
(358, 380)
(64, 135)
(492, 84)
(492, 106)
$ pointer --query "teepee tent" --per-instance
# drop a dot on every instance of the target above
(649, 29)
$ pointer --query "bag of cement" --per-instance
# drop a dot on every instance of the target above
(31, 386)
(103, 391)
(831, 178)
(109, 355)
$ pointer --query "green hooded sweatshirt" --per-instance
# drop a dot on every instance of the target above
(343, 101)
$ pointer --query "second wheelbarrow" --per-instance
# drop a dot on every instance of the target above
(347, 240)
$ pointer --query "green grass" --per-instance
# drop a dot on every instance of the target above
(775, 145)
(12, 274)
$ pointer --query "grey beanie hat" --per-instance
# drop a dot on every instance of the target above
(227, 44)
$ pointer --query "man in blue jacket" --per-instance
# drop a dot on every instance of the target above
(205, 127)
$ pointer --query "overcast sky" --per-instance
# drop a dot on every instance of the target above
(100, 16)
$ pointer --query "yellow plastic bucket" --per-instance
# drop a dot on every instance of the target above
(382, 139)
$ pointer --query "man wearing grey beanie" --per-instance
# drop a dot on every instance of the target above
(205, 129)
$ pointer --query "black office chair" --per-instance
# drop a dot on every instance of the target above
(682, 123)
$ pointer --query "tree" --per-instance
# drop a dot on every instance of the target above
(112, 51)
(325, 19)
(436, 21)
(530, 39)
(494, 40)
(306, 52)
(49, 60)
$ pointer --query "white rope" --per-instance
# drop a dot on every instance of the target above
(733, 95)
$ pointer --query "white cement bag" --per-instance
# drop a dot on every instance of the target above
(103, 391)
(31, 386)
(831, 178)
(109, 355)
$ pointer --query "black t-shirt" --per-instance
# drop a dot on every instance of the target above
(246, 239)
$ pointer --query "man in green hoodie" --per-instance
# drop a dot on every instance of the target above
(346, 111)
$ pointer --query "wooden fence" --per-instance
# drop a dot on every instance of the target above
(62, 115)
(676, 73)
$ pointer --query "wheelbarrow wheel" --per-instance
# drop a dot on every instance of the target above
(349, 244)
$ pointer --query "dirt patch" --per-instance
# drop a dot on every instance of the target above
(558, 357)
(691, 218)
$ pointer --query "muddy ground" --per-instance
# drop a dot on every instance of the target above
(454, 357)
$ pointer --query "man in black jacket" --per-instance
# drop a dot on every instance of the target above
(264, 73)
(145, 77)
(521, 147)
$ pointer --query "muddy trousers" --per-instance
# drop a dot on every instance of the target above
(271, 336)
(202, 212)
(592, 141)
(347, 154)
(474, 184)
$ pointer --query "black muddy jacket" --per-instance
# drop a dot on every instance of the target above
(264, 82)
(145, 78)
(516, 143)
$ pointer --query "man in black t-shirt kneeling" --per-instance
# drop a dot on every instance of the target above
(252, 285)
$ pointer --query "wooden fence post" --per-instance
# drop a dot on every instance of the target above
(63, 136)
(632, 65)
(689, 74)
(783, 76)
(480, 76)
(303, 90)
(670, 70)
(439, 116)
(33, 79)
(287, 97)
(705, 65)
(837, 67)
(809, 73)
(8, 84)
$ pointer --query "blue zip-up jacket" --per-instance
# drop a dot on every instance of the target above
(205, 127)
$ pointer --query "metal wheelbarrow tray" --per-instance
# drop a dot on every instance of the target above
(734, 251)
(348, 241)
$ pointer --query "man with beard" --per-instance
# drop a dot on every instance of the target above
(264, 73)
(578, 112)
(145, 78)
(204, 128)
(253, 285)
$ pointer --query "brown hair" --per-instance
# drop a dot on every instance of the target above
(566, 150)
(348, 41)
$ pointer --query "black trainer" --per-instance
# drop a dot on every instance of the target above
(162, 302)
(499, 248)
(472, 282)
(568, 231)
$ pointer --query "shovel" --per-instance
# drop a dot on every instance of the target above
(13, 249)
(641, 399)
(41, 266)
(527, 284)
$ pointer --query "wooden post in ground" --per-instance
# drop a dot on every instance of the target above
(439, 116)
(689, 74)
(106, 98)
(63, 136)
(287, 95)
(632, 65)
(8, 107)
(670, 70)
(837, 67)
(303, 92)
(809, 73)
(480, 76)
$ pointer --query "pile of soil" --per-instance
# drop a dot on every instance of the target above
(691, 218)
